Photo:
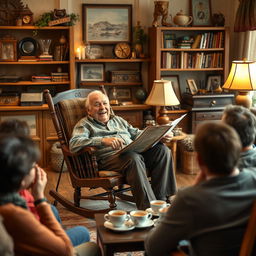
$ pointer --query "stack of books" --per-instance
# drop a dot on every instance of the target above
(185, 42)
(60, 77)
(28, 58)
(41, 78)
(45, 57)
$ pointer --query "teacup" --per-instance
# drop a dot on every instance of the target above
(158, 204)
(163, 211)
(117, 217)
(139, 217)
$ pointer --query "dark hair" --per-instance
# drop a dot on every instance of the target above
(14, 126)
(243, 121)
(219, 147)
(17, 155)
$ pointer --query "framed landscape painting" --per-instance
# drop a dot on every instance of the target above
(107, 23)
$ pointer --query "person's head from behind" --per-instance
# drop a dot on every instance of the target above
(243, 121)
(18, 154)
(218, 147)
(97, 106)
(14, 126)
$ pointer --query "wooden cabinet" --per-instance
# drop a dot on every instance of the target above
(171, 58)
(206, 107)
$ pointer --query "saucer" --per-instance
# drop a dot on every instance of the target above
(147, 224)
(128, 225)
(156, 214)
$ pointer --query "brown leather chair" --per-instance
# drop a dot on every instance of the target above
(66, 109)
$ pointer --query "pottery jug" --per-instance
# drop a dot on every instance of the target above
(181, 19)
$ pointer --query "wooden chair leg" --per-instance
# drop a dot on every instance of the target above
(77, 196)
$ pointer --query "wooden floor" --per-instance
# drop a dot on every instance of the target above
(65, 187)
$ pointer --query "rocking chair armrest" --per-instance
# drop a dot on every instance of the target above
(88, 150)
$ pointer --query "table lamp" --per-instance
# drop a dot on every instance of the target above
(162, 94)
(242, 78)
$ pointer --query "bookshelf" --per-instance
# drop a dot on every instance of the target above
(208, 52)
(189, 53)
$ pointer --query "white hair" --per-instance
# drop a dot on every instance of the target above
(87, 101)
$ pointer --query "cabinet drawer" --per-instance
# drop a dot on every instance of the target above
(201, 116)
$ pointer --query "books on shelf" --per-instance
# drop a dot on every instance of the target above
(60, 76)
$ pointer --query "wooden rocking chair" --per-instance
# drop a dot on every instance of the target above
(66, 109)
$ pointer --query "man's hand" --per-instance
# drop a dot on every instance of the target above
(115, 143)
(167, 138)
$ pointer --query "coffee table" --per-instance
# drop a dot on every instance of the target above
(111, 241)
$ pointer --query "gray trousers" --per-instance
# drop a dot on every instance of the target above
(156, 163)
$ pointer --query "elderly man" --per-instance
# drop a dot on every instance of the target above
(110, 133)
(213, 213)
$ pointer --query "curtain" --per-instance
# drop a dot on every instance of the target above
(245, 28)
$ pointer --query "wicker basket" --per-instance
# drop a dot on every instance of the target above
(57, 158)
(189, 163)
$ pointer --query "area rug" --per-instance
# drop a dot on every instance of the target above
(70, 219)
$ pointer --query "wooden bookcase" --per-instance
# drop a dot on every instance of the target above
(184, 66)
(38, 118)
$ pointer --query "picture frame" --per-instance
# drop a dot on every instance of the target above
(201, 12)
(213, 82)
(92, 72)
(175, 84)
(192, 86)
(124, 94)
(107, 23)
(8, 49)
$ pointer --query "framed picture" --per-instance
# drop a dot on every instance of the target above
(213, 82)
(123, 94)
(192, 86)
(8, 49)
(107, 23)
(92, 72)
(201, 12)
(175, 84)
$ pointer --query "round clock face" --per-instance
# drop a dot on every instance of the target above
(26, 19)
(123, 50)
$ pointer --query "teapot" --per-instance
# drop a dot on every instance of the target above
(181, 19)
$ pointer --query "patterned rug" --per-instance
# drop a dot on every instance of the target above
(70, 219)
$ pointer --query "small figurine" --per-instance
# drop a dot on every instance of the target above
(161, 9)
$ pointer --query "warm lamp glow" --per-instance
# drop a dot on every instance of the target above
(162, 94)
(242, 78)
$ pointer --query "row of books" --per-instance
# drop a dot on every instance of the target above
(54, 77)
(186, 60)
(209, 40)
(200, 41)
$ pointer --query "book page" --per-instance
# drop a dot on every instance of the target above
(149, 137)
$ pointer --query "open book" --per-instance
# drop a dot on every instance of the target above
(149, 137)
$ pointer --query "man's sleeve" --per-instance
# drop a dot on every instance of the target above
(80, 139)
(173, 228)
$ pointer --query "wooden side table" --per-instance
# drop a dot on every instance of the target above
(173, 146)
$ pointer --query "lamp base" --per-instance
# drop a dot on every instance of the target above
(163, 117)
(243, 99)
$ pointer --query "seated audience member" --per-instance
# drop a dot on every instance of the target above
(244, 122)
(110, 133)
(78, 234)
(18, 155)
(6, 243)
(212, 215)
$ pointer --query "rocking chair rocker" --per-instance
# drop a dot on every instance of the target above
(66, 109)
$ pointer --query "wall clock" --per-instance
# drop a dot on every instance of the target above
(9, 11)
(122, 50)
